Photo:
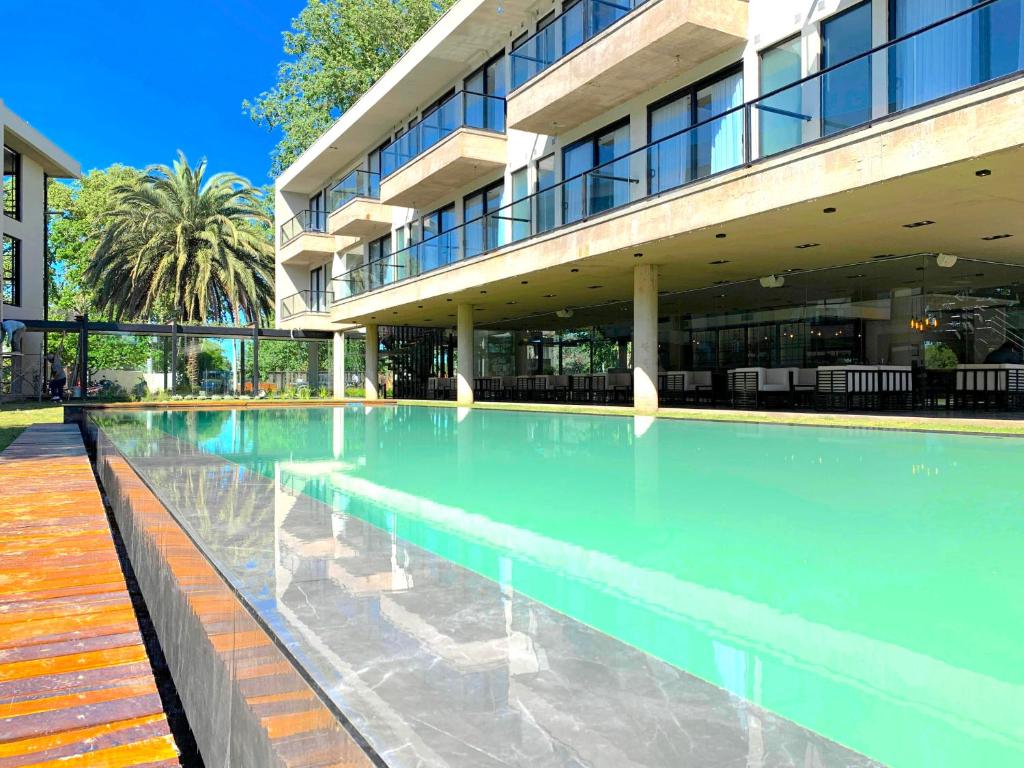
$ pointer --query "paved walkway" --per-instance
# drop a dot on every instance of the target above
(76, 687)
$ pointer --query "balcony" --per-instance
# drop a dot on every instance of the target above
(307, 309)
(787, 127)
(598, 54)
(460, 142)
(356, 210)
(304, 239)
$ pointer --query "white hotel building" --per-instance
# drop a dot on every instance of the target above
(675, 199)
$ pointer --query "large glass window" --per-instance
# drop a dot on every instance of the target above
(546, 193)
(437, 247)
(608, 185)
(489, 80)
(12, 183)
(12, 270)
(482, 232)
(520, 211)
(846, 91)
(715, 146)
(378, 256)
(956, 55)
(781, 117)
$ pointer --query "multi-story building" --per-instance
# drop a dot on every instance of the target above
(692, 185)
(30, 160)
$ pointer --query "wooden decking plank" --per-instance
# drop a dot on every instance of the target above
(76, 686)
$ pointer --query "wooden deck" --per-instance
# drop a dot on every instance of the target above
(76, 687)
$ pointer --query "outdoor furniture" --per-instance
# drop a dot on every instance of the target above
(672, 387)
(558, 387)
(939, 388)
(699, 386)
(992, 385)
(842, 387)
(753, 387)
(620, 386)
(440, 388)
(487, 388)
(896, 386)
(804, 387)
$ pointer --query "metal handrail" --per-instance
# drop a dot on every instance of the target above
(626, 170)
(589, 26)
(306, 302)
(302, 222)
(441, 122)
(358, 183)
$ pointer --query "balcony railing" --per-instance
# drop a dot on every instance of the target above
(357, 184)
(973, 47)
(568, 31)
(464, 109)
(306, 303)
(304, 221)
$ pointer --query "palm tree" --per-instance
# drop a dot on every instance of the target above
(177, 246)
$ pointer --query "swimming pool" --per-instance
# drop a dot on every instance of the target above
(497, 588)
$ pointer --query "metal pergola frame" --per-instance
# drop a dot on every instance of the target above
(83, 326)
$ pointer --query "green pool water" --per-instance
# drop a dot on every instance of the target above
(867, 585)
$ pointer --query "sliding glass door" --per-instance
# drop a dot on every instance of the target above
(605, 183)
(953, 56)
(846, 91)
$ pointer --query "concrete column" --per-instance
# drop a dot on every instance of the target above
(338, 364)
(645, 338)
(464, 334)
(370, 375)
(313, 366)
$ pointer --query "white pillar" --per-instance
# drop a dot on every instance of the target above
(370, 375)
(338, 364)
(645, 338)
(464, 334)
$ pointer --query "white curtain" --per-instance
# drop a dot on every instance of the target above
(669, 160)
(937, 62)
(720, 141)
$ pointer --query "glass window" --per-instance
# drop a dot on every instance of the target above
(959, 54)
(520, 210)
(846, 91)
(437, 248)
(12, 188)
(12, 270)
(378, 255)
(546, 193)
(482, 231)
(780, 117)
(608, 185)
(484, 91)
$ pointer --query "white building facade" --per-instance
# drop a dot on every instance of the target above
(30, 160)
(695, 182)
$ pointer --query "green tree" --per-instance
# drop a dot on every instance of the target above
(338, 49)
(80, 209)
(176, 244)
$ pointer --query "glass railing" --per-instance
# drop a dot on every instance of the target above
(973, 47)
(991, 48)
(306, 302)
(304, 221)
(465, 109)
(568, 31)
(356, 184)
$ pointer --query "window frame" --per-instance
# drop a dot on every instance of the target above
(14, 278)
(15, 211)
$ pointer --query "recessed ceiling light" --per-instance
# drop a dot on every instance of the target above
(394, 313)
(919, 269)
(510, 303)
(549, 295)
(594, 287)
(478, 309)
(574, 269)
(373, 317)
(983, 172)
(524, 282)
(447, 299)
(638, 255)
(720, 296)
(828, 210)
(979, 274)
(721, 236)
(716, 262)
(996, 237)
(483, 291)
(451, 315)
(855, 277)
(916, 224)
(419, 306)
(793, 269)
(808, 245)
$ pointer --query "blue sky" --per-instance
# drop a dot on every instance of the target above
(123, 81)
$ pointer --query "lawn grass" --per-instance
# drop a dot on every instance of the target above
(14, 417)
(968, 425)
